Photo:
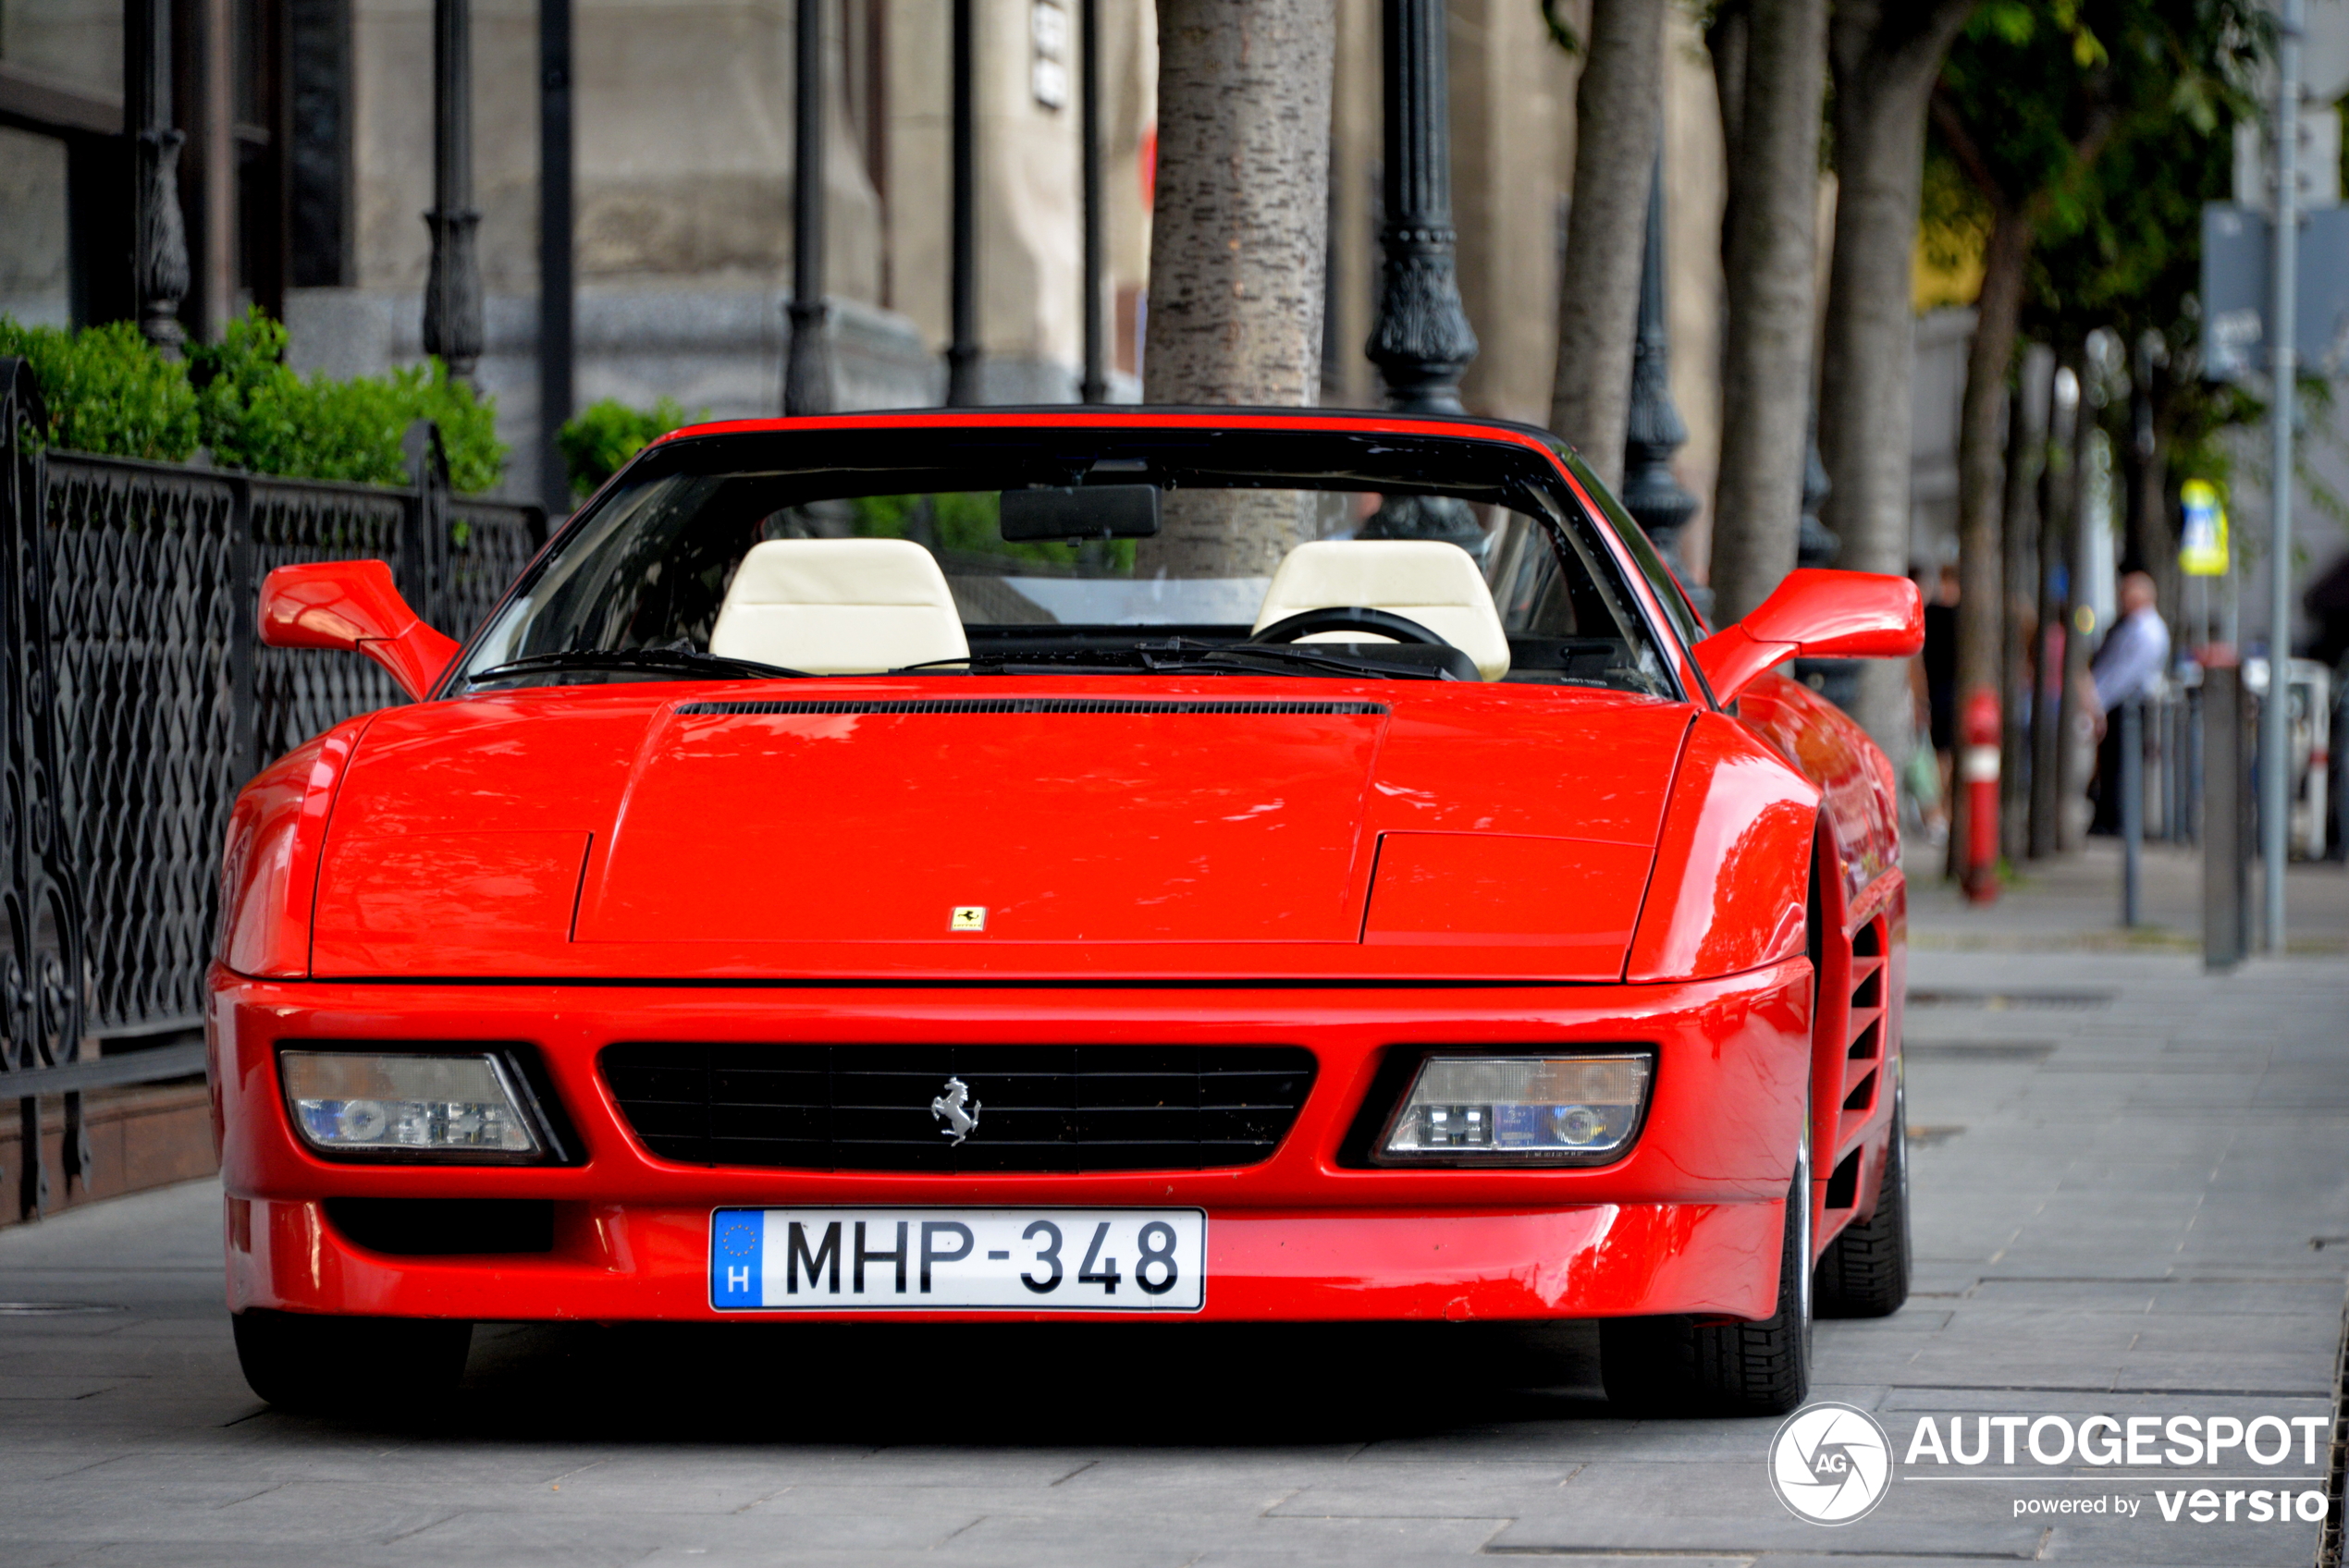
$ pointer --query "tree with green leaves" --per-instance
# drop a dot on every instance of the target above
(2131, 264)
(2034, 96)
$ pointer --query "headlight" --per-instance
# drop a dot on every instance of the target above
(1580, 1109)
(393, 1106)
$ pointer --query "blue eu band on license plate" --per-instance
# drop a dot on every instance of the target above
(957, 1259)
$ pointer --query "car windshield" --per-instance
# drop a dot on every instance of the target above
(963, 552)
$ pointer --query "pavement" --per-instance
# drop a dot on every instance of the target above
(2073, 902)
(2132, 1201)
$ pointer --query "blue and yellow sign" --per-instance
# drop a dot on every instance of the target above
(2202, 541)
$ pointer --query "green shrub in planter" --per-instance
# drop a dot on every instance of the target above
(108, 391)
(257, 414)
(602, 436)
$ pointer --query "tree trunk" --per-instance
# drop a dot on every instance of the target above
(2019, 539)
(2147, 546)
(1725, 39)
(1766, 381)
(1981, 574)
(1618, 110)
(2059, 519)
(2073, 745)
(1884, 58)
(1238, 248)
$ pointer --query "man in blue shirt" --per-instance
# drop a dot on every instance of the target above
(2129, 664)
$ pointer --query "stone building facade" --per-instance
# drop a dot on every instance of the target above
(683, 195)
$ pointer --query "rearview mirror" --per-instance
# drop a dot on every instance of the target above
(1828, 615)
(354, 607)
(1084, 511)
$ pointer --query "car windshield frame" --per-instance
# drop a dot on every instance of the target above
(856, 457)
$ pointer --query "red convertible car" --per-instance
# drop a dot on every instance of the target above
(1207, 864)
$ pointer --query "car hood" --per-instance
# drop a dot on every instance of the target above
(863, 830)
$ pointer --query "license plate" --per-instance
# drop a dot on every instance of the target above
(957, 1259)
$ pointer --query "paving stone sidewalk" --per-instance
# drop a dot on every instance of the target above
(2133, 1200)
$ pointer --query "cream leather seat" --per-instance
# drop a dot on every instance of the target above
(839, 607)
(1422, 580)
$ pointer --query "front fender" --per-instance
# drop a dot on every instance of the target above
(269, 865)
(1859, 796)
(1732, 869)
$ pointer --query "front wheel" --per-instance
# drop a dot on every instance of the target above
(308, 1363)
(1683, 1367)
(1864, 1272)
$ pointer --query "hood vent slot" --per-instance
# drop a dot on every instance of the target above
(1028, 704)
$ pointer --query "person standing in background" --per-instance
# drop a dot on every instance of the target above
(2128, 664)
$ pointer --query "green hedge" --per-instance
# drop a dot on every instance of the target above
(109, 392)
(602, 436)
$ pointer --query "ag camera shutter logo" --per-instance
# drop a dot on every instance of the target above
(1831, 1464)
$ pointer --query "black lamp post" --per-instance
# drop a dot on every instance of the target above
(556, 279)
(1094, 387)
(159, 263)
(1421, 340)
(1653, 430)
(452, 289)
(962, 352)
(808, 366)
(1816, 544)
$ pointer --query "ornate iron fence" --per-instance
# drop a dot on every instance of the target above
(135, 700)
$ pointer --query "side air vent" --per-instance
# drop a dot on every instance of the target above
(1108, 705)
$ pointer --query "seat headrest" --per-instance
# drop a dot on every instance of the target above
(1427, 581)
(839, 607)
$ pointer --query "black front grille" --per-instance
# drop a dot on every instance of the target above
(1041, 1108)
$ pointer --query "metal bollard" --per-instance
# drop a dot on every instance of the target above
(1978, 726)
(2133, 807)
(2195, 766)
(2226, 839)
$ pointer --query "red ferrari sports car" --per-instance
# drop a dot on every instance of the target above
(1064, 864)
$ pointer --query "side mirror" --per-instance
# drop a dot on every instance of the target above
(1833, 614)
(354, 607)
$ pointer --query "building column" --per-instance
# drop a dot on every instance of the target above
(807, 368)
(452, 289)
(159, 261)
(1421, 340)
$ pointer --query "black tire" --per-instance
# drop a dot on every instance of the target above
(1677, 1366)
(1864, 1272)
(305, 1362)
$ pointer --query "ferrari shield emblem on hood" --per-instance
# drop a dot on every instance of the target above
(948, 1108)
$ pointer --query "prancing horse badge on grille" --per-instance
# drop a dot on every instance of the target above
(948, 1108)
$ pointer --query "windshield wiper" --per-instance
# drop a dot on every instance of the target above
(1082, 661)
(1248, 656)
(656, 661)
(1229, 658)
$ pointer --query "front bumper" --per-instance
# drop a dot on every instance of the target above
(1689, 1220)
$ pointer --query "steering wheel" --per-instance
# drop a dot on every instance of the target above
(1349, 617)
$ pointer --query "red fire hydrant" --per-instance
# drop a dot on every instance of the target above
(1978, 776)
